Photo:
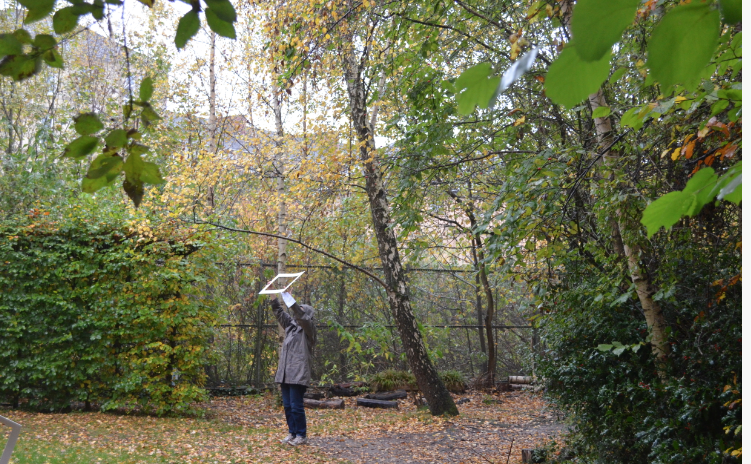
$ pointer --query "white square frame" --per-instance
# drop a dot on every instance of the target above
(15, 431)
(265, 290)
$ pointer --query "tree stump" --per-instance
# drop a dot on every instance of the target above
(364, 402)
(328, 404)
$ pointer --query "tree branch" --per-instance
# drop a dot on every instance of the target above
(311, 248)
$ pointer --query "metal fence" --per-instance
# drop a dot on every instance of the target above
(356, 333)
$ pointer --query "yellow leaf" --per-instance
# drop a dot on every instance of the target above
(520, 121)
(676, 154)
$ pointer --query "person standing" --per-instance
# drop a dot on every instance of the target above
(293, 373)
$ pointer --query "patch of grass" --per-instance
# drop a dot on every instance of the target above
(30, 450)
(392, 379)
(454, 381)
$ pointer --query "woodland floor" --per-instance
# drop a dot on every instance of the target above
(240, 430)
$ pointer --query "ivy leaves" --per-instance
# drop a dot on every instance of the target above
(117, 143)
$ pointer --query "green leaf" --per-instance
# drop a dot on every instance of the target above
(148, 3)
(604, 347)
(218, 25)
(66, 19)
(38, 9)
(81, 147)
(91, 185)
(44, 41)
(731, 11)
(699, 187)
(151, 174)
(20, 67)
(88, 123)
(134, 191)
(137, 149)
(476, 87)
(108, 166)
(133, 168)
(146, 90)
(571, 79)
(596, 25)
(601, 112)
(664, 211)
(116, 138)
(53, 59)
(683, 43)
(23, 36)
(619, 350)
(617, 75)
(148, 114)
(633, 118)
(719, 106)
(97, 10)
(10, 45)
(731, 94)
(223, 9)
(729, 185)
(186, 28)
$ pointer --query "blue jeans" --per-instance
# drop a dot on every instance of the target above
(294, 408)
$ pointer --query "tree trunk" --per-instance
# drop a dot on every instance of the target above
(258, 349)
(212, 109)
(281, 217)
(632, 251)
(342, 351)
(430, 384)
(478, 254)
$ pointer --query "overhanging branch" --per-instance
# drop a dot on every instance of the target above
(311, 248)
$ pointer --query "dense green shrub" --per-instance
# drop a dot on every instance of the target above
(94, 312)
(622, 410)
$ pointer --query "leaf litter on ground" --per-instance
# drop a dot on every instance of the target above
(248, 429)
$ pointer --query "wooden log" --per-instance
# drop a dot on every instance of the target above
(520, 379)
(503, 387)
(364, 402)
(348, 388)
(387, 396)
(337, 390)
(313, 395)
(328, 404)
(526, 455)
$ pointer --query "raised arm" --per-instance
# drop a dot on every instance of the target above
(283, 318)
(305, 320)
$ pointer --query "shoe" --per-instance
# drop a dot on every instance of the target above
(287, 439)
(299, 441)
